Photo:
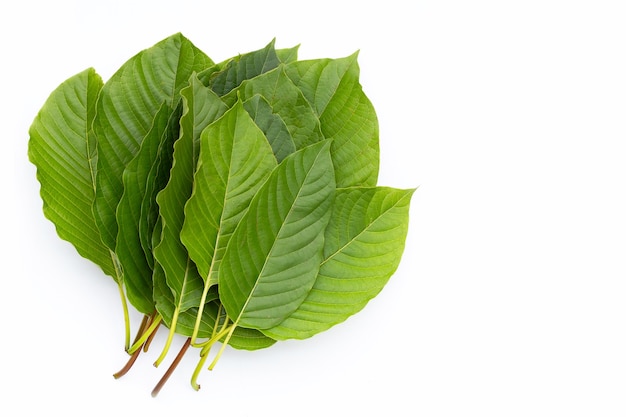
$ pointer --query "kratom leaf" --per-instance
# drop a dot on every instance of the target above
(200, 107)
(272, 125)
(235, 159)
(272, 258)
(244, 67)
(158, 176)
(346, 115)
(125, 109)
(286, 101)
(62, 147)
(288, 55)
(137, 183)
(364, 241)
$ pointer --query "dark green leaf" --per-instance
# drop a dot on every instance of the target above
(244, 67)
(126, 107)
(272, 125)
(200, 107)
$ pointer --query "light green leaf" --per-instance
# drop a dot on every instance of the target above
(272, 125)
(273, 256)
(200, 107)
(364, 241)
(235, 159)
(244, 67)
(288, 55)
(286, 101)
(126, 107)
(62, 147)
(346, 115)
(137, 184)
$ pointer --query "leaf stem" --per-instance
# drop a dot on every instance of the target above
(171, 369)
(146, 334)
(152, 335)
(224, 344)
(119, 279)
(170, 337)
(196, 327)
(142, 327)
(129, 364)
(126, 316)
(204, 353)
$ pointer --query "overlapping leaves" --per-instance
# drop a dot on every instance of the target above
(234, 202)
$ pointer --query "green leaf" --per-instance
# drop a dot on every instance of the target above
(272, 125)
(126, 107)
(273, 256)
(62, 147)
(286, 101)
(200, 107)
(235, 159)
(288, 55)
(138, 184)
(346, 115)
(244, 67)
(364, 241)
(158, 176)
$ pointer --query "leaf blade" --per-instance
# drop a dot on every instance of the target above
(346, 115)
(364, 243)
(62, 147)
(244, 67)
(138, 182)
(235, 159)
(125, 109)
(200, 108)
(272, 258)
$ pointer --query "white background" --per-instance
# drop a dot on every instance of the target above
(510, 299)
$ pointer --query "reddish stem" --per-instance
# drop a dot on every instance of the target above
(172, 367)
(128, 365)
(145, 323)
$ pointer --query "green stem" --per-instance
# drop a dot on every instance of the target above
(196, 327)
(145, 335)
(153, 334)
(142, 327)
(126, 316)
(204, 353)
(224, 343)
(170, 337)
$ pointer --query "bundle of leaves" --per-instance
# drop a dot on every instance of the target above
(232, 202)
